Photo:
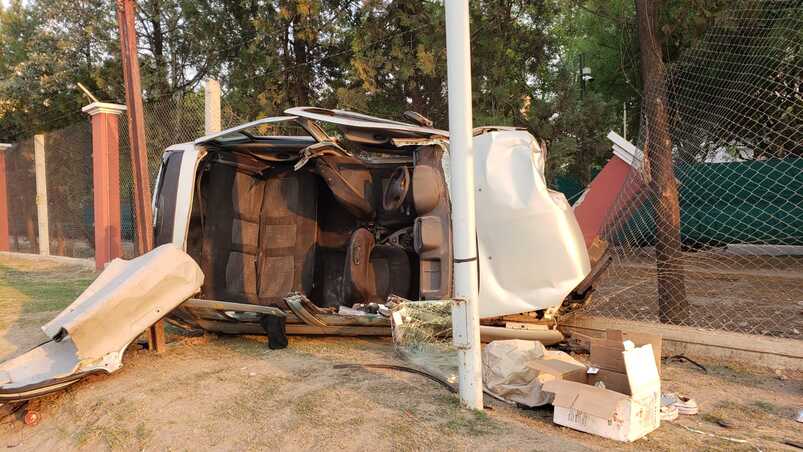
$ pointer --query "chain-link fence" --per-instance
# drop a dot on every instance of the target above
(729, 254)
(68, 164)
(168, 121)
(21, 184)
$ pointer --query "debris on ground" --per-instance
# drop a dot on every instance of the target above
(686, 359)
(669, 413)
(724, 438)
(515, 370)
(618, 396)
(276, 329)
(793, 443)
(92, 334)
(422, 335)
(724, 423)
(621, 416)
(407, 369)
(606, 352)
(682, 404)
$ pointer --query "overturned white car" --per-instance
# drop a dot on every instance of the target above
(361, 215)
(344, 209)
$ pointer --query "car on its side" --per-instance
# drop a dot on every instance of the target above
(344, 208)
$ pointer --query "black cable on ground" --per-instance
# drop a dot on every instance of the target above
(684, 358)
(411, 370)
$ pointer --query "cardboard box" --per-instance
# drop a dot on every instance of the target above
(615, 381)
(560, 366)
(606, 352)
(616, 415)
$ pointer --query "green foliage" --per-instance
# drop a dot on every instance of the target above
(45, 48)
(376, 56)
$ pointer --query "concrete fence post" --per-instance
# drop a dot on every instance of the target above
(4, 239)
(212, 107)
(41, 194)
(106, 179)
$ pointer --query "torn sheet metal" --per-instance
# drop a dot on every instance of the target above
(91, 335)
(127, 298)
(531, 249)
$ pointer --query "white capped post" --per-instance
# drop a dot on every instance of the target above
(465, 312)
(211, 107)
(41, 193)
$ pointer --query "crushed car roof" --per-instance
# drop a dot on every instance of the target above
(351, 120)
(355, 127)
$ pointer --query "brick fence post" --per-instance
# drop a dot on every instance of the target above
(4, 245)
(106, 179)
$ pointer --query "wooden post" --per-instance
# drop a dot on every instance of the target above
(126, 10)
(673, 306)
(106, 180)
(41, 194)
(212, 107)
(4, 240)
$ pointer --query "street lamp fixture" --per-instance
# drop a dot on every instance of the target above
(585, 75)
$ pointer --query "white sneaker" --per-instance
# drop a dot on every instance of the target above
(669, 413)
(684, 405)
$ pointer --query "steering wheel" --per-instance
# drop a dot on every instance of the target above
(397, 188)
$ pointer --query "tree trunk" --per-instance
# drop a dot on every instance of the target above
(302, 70)
(162, 80)
(673, 306)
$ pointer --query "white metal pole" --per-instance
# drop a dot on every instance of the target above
(212, 107)
(41, 193)
(465, 312)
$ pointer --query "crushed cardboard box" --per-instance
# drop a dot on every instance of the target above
(623, 416)
(515, 370)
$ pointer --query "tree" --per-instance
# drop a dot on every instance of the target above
(398, 60)
(45, 48)
(673, 306)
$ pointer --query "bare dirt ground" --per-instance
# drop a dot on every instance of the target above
(744, 294)
(233, 393)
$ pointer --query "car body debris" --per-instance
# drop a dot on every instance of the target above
(92, 334)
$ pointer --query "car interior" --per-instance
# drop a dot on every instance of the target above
(352, 219)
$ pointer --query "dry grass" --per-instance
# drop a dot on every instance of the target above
(233, 393)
